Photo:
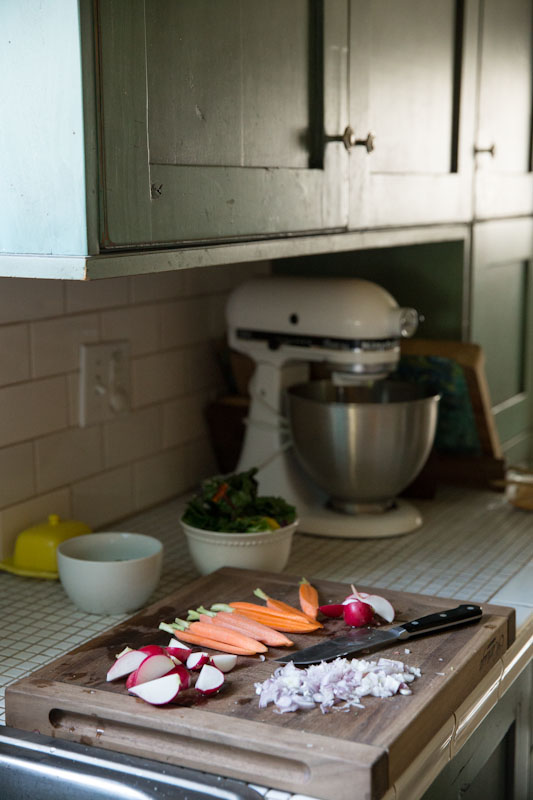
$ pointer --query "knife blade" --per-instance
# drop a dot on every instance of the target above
(370, 639)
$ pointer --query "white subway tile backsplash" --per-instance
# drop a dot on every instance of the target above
(133, 436)
(55, 344)
(174, 323)
(162, 286)
(157, 377)
(183, 419)
(18, 517)
(104, 498)
(17, 479)
(138, 324)
(67, 456)
(185, 322)
(22, 299)
(92, 295)
(202, 368)
(14, 354)
(32, 409)
(159, 478)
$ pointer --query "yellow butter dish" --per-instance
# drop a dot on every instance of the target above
(35, 548)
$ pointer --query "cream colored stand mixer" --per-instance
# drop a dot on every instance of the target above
(312, 443)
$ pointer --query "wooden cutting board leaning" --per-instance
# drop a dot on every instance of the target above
(334, 756)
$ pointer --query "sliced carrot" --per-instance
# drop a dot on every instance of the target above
(221, 634)
(274, 619)
(213, 644)
(284, 608)
(239, 622)
(308, 597)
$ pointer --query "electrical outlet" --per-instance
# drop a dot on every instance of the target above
(104, 381)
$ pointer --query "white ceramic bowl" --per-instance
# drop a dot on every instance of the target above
(110, 573)
(265, 550)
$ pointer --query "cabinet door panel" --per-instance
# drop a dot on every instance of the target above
(504, 181)
(229, 96)
(412, 85)
(502, 317)
(412, 107)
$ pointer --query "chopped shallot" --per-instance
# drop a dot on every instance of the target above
(338, 684)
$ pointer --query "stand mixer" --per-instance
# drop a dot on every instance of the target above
(353, 329)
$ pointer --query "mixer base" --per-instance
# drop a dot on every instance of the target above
(401, 518)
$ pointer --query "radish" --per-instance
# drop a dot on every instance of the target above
(159, 691)
(176, 649)
(332, 610)
(223, 661)
(379, 604)
(125, 664)
(197, 660)
(357, 613)
(210, 680)
(183, 672)
(151, 668)
(153, 650)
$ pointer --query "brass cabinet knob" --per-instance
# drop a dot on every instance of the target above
(349, 140)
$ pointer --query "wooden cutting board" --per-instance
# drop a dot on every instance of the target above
(334, 756)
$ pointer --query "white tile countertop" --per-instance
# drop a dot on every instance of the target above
(472, 546)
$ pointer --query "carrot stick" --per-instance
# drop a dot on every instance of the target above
(308, 597)
(274, 619)
(284, 608)
(214, 644)
(238, 622)
(221, 634)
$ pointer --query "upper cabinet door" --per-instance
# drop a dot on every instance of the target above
(412, 87)
(504, 178)
(213, 116)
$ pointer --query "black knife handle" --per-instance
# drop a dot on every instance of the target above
(467, 612)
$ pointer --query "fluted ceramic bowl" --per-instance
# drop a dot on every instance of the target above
(264, 550)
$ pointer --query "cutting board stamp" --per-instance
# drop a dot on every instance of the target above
(334, 756)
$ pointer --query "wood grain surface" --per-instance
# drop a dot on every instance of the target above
(334, 756)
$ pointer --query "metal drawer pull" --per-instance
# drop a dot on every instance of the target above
(349, 140)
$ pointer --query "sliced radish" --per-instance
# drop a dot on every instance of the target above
(153, 650)
(122, 652)
(159, 691)
(223, 661)
(333, 610)
(178, 650)
(125, 664)
(197, 660)
(151, 668)
(183, 672)
(210, 680)
(357, 613)
(381, 606)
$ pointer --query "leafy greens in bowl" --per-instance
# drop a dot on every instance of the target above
(231, 504)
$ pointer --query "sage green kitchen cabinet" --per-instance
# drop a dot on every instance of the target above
(502, 323)
(235, 119)
(212, 119)
(503, 142)
(149, 135)
(495, 762)
(412, 86)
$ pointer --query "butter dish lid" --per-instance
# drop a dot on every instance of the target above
(35, 548)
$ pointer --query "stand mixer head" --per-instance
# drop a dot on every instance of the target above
(353, 329)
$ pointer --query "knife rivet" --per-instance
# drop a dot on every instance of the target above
(443, 615)
(414, 622)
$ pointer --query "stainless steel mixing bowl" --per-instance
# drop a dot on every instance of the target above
(362, 445)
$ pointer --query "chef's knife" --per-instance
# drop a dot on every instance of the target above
(369, 639)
